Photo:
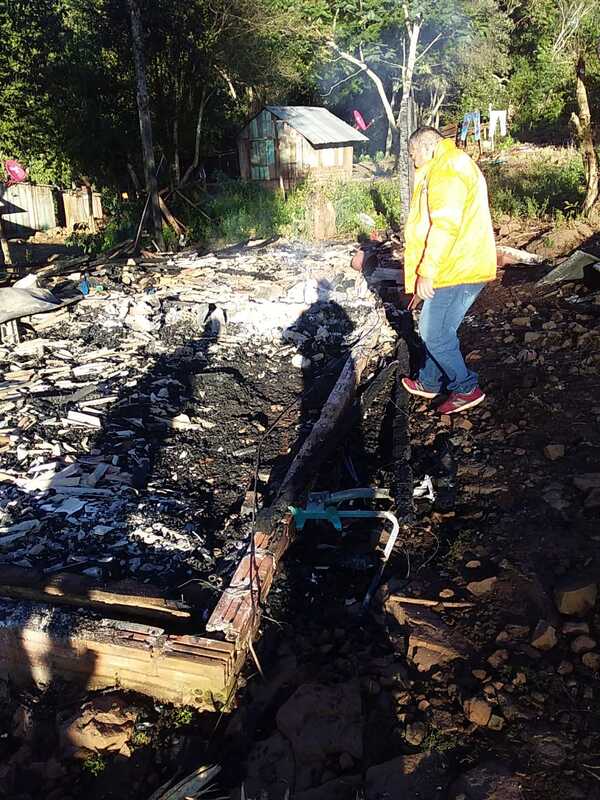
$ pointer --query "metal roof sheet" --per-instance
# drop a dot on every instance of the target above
(318, 125)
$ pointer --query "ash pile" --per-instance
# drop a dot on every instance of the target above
(131, 420)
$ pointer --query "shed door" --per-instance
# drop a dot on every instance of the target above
(262, 156)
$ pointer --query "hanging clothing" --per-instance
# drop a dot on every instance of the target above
(471, 117)
(497, 118)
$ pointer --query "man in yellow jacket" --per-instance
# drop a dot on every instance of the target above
(450, 255)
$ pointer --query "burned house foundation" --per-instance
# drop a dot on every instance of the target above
(153, 436)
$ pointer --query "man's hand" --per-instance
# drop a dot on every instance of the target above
(424, 288)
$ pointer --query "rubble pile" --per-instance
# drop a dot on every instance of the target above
(130, 421)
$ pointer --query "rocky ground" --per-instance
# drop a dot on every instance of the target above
(476, 671)
(495, 697)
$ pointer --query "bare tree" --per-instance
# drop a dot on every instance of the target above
(143, 102)
(570, 44)
(397, 114)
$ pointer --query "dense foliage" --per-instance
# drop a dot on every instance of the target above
(67, 83)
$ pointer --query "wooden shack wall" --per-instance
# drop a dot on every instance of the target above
(76, 205)
(26, 209)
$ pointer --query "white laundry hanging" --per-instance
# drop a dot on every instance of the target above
(497, 118)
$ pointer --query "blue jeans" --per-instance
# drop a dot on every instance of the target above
(471, 117)
(445, 368)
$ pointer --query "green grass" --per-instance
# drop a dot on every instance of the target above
(537, 187)
(243, 210)
(179, 717)
(440, 741)
(94, 764)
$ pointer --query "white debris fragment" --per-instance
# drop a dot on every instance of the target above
(300, 362)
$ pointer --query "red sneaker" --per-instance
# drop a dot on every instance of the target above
(416, 387)
(460, 402)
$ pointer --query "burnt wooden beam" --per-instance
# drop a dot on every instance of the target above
(237, 614)
(41, 644)
(128, 597)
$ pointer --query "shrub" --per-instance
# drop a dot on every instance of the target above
(538, 187)
(239, 210)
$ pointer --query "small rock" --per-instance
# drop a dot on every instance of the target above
(575, 597)
(415, 733)
(300, 362)
(583, 644)
(520, 679)
(103, 724)
(477, 711)
(473, 564)
(522, 322)
(463, 423)
(593, 499)
(554, 495)
(479, 588)
(591, 661)
(587, 481)
(498, 658)
(480, 674)
(445, 594)
(575, 628)
(532, 336)
(554, 451)
(565, 668)
(544, 636)
(517, 632)
(496, 723)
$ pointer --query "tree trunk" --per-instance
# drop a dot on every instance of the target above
(134, 178)
(403, 120)
(176, 166)
(387, 107)
(176, 159)
(583, 124)
(389, 141)
(143, 103)
(198, 139)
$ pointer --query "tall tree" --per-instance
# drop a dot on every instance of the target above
(576, 40)
(558, 62)
(143, 102)
(418, 49)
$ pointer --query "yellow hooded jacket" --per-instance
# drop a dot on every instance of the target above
(449, 235)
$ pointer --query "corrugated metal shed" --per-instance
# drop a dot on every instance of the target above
(27, 208)
(318, 125)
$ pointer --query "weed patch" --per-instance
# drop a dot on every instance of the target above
(241, 210)
(537, 188)
(94, 765)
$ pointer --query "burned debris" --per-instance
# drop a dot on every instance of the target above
(144, 429)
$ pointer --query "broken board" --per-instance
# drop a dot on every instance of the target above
(44, 644)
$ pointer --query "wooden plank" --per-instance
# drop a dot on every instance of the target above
(129, 597)
(237, 613)
(40, 644)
